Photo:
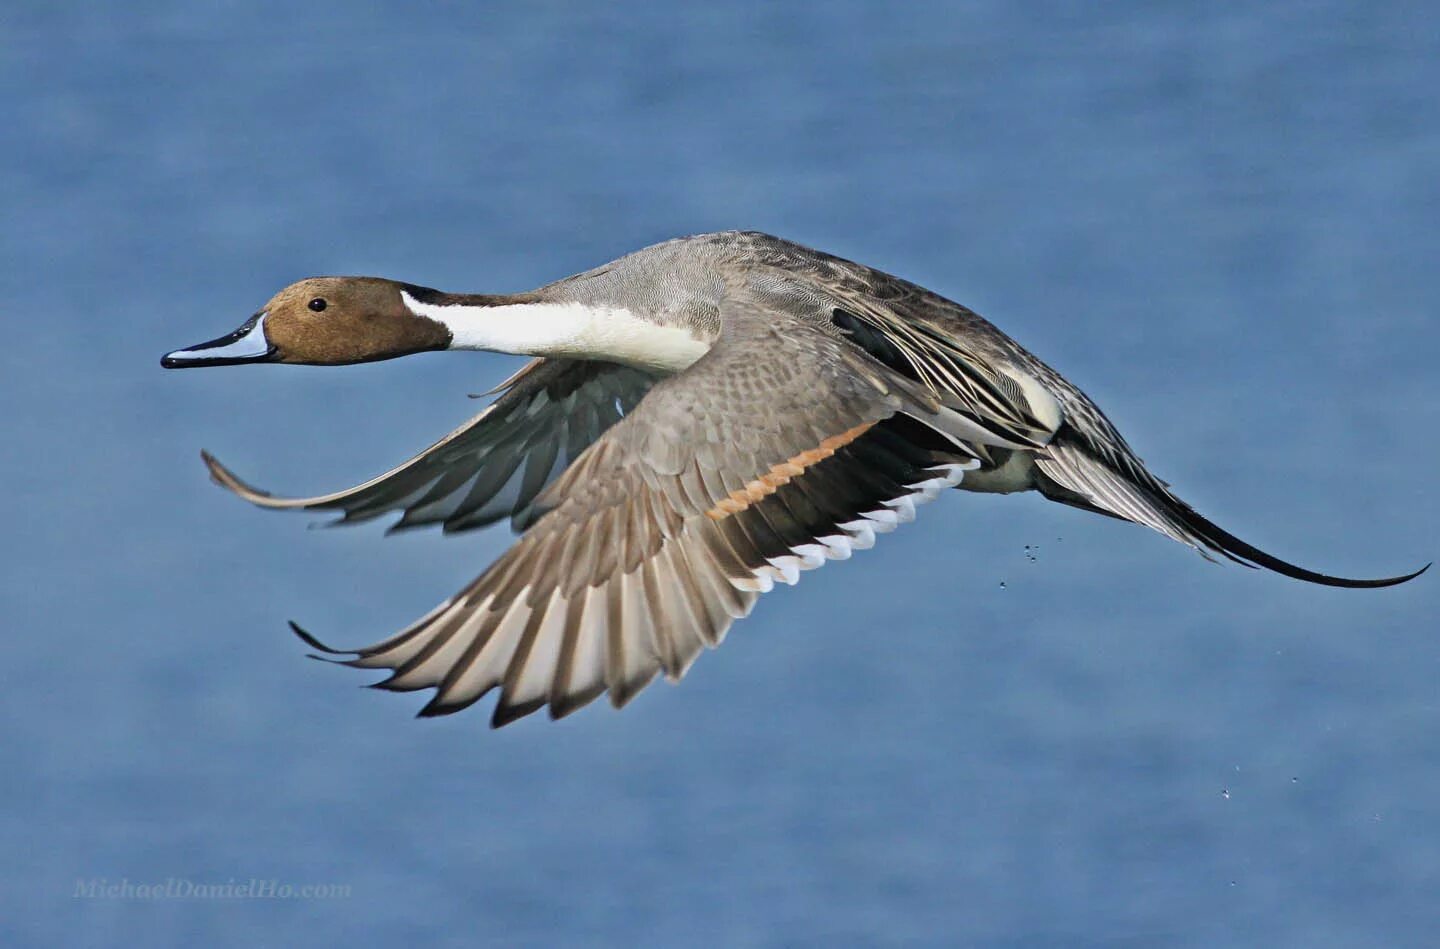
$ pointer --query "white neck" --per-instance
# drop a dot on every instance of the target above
(565, 329)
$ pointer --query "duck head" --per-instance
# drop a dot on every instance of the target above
(325, 321)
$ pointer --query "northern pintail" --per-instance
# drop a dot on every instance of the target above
(705, 417)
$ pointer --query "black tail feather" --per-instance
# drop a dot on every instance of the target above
(1227, 543)
(1071, 473)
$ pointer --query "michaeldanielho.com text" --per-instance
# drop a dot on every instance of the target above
(183, 888)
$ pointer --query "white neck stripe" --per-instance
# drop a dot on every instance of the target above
(576, 330)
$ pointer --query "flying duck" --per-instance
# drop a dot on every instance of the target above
(703, 418)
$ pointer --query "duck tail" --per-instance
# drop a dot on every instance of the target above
(1072, 473)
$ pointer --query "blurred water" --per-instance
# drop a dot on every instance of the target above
(1222, 223)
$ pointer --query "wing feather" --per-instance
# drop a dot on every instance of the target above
(495, 465)
(633, 566)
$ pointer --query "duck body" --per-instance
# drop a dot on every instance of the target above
(703, 418)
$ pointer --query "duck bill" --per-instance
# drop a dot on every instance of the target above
(247, 344)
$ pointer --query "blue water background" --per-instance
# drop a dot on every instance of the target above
(1224, 223)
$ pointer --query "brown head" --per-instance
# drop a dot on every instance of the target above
(324, 321)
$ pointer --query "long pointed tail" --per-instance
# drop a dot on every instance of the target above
(1070, 473)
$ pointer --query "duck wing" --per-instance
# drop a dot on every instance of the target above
(781, 448)
(495, 465)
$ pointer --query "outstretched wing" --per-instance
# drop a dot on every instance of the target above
(496, 464)
(781, 448)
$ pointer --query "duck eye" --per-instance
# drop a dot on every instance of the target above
(318, 304)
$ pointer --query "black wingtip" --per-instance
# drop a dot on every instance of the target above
(314, 643)
(438, 706)
(506, 713)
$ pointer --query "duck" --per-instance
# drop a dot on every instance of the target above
(700, 420)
